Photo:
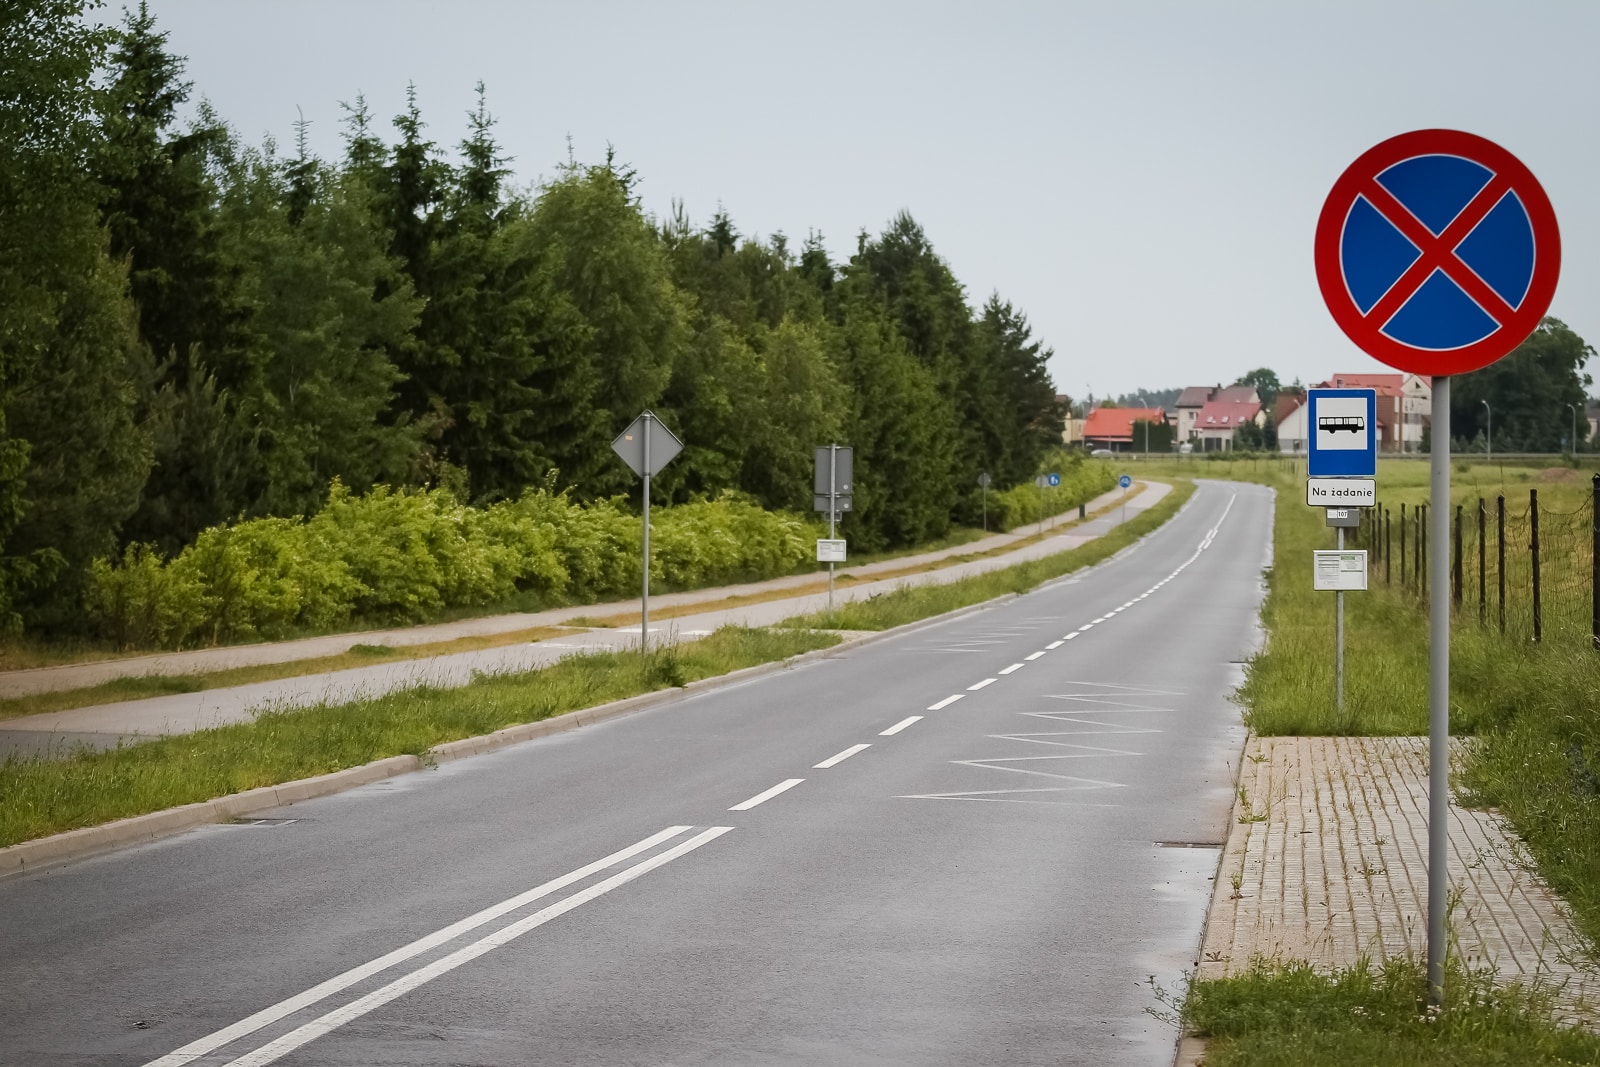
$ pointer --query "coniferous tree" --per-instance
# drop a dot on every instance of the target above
(72, 371)
(158, 205)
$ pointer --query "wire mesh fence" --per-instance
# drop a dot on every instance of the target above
(1528, 568)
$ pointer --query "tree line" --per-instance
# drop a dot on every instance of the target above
(194, 330)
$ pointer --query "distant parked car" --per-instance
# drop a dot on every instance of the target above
(1185, 448)
(1102, 452)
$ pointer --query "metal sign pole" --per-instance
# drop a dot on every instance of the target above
(644, 617)
(833, 509)
(1439, 689)
(1338, 644)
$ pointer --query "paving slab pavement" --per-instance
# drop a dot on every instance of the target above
(1326, 862)
(107, 725)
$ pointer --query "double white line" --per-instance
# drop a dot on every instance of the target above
(331, 1021)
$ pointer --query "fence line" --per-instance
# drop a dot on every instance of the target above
(1546, 563)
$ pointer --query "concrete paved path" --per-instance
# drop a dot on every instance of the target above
(1336, 869)
(104, 726)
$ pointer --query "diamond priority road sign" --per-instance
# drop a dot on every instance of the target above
(630, 445)
(1437, 252)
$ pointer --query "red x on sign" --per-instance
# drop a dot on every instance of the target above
(1437, 252)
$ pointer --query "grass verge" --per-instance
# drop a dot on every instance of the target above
(1287, 1015)
(40, 797)
(913, 602)
(154, 685)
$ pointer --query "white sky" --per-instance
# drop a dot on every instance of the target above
(1143, 179)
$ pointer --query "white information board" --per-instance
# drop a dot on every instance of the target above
(830, 550)
(1341, 492)
(1335, 569)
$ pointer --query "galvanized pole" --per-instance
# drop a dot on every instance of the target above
(833, 508)
(1439, 692)
(1338, 655)
(644, 616)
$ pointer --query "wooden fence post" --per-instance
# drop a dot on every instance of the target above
(1483, 562)
(1533, 515)
(1500, 549)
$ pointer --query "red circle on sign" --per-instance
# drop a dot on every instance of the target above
(1437, 252)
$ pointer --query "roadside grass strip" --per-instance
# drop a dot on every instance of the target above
(1289, 1015)
(47, 796)
(360, 655)
(909, 603)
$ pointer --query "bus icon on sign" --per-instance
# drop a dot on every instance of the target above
(1336, 423)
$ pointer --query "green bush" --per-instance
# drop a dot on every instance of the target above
(1082, 480)
(406, 556)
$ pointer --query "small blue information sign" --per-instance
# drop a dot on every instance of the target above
(1054, 479)
(1342, 427)
(1124, 481)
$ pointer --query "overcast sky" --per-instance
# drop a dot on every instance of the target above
(1143, 179)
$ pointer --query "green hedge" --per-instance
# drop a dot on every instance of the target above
(1081, 481)
(406, 556)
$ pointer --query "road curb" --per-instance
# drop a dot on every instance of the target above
(28, 856)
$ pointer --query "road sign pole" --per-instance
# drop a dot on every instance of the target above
(644, 600)
(1338, 644)
(833, 509)
(1439, 690)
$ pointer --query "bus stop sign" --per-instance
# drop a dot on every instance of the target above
(1342, 426)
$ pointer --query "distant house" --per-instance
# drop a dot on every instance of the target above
(1222, 416)
(1188, 406)
(1113, 428)
(1289, 416)
(1071, 426)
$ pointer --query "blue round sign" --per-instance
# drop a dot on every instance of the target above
(1124, 481)
(1054, 479)
(1437, 252)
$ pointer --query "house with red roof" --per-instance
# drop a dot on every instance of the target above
(1114, 428)
(1190, 401)
(1221, 416)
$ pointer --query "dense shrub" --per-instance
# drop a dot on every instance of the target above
(1081, 481)
(405, 556)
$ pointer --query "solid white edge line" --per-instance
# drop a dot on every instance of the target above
(265, 1017)
(901, 725)
(980, 685)
(840, 758)
(377, 998)
(1033, 657)
(946, 702)
(763, 797)
(1013, 667)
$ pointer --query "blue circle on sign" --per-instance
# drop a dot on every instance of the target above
(1436, 191)
(1124, 481)
(1055, 479)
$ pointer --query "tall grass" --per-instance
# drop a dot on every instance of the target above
(1533, 710)
(1288, 1015)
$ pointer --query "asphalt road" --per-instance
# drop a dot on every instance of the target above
(1028, 835)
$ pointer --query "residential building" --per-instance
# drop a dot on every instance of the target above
(1289, 416)
(1222, 416)
(1189, 403)
(1113, 428)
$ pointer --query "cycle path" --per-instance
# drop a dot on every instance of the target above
(107, 725)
